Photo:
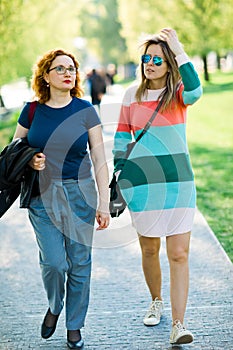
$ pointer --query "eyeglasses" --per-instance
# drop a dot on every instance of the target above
(62, 70)
(156, 59)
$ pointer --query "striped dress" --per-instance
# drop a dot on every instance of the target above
(157, 180)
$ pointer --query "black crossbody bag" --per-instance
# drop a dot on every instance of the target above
(117, 203)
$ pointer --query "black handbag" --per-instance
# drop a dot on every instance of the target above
(117, 203)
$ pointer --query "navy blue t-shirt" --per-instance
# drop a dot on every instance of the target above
(62, 135)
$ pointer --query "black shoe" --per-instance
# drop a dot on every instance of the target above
(47, 332)
(75, 344)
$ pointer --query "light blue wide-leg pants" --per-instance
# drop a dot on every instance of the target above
(65, 262)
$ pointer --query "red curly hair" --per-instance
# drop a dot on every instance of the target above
(38, 83)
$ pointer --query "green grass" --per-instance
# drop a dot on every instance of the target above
(7, 129)
(210, 137)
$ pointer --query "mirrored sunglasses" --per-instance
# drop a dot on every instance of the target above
(156, 59)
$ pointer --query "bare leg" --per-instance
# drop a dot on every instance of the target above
(178, 252)
(151, 264)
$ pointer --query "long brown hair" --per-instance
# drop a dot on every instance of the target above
(38, 83)
(173, 76)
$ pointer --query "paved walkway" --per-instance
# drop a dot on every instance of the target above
(119, 296)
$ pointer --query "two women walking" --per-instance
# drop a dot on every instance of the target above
(156, 181)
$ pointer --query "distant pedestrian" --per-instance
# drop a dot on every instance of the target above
(63, 215)
(157, 182)
(97, 87)
(110, 74)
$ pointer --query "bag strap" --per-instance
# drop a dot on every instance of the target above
(148, 124)
(32, 109)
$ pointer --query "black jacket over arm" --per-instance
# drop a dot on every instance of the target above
(16, 177)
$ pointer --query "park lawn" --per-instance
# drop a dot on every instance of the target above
(210, 138)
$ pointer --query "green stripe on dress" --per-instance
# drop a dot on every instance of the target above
(156, 169)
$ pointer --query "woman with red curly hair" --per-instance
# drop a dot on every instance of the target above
(68, 131)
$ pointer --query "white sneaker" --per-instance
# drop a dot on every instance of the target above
(153, 315)
(179, 334)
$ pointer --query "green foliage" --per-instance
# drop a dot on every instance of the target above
(10, 30)
(202, 25)
(28, 28)
(111, 28)
(141, 17)
(7, 129)
(101, 27)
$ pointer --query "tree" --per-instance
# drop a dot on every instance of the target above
(28, 28)
(202, 25)
(101, 27)
(111, 28)
(10, 29)
(208, 21)
(141, 17)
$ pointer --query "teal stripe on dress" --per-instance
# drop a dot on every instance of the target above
(190, 97)
(151, 169)
(162, 140)
(121, 140)
(155, 196)
(157, 140)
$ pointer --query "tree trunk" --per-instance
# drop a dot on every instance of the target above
(218, 61)
(206, 74)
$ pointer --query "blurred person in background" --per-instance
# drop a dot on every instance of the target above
(110, 73)
(97, 87)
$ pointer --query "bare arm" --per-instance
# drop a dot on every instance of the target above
(101, 175)
(20, 132)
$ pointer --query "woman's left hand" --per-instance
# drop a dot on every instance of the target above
(169, 35)
(103, 219)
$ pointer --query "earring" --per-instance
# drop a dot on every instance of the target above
(47, 85)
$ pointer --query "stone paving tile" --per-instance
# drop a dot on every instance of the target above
(119, 296)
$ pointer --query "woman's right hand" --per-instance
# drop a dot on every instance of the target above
(37, 162)
(169, 35)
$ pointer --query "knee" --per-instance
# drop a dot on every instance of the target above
(54, 266)
(178, 255)
(150, 248)
(149, 252)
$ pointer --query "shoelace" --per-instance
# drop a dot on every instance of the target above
(179, 325)
(155, 308)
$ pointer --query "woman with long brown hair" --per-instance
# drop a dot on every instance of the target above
(157, 180)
